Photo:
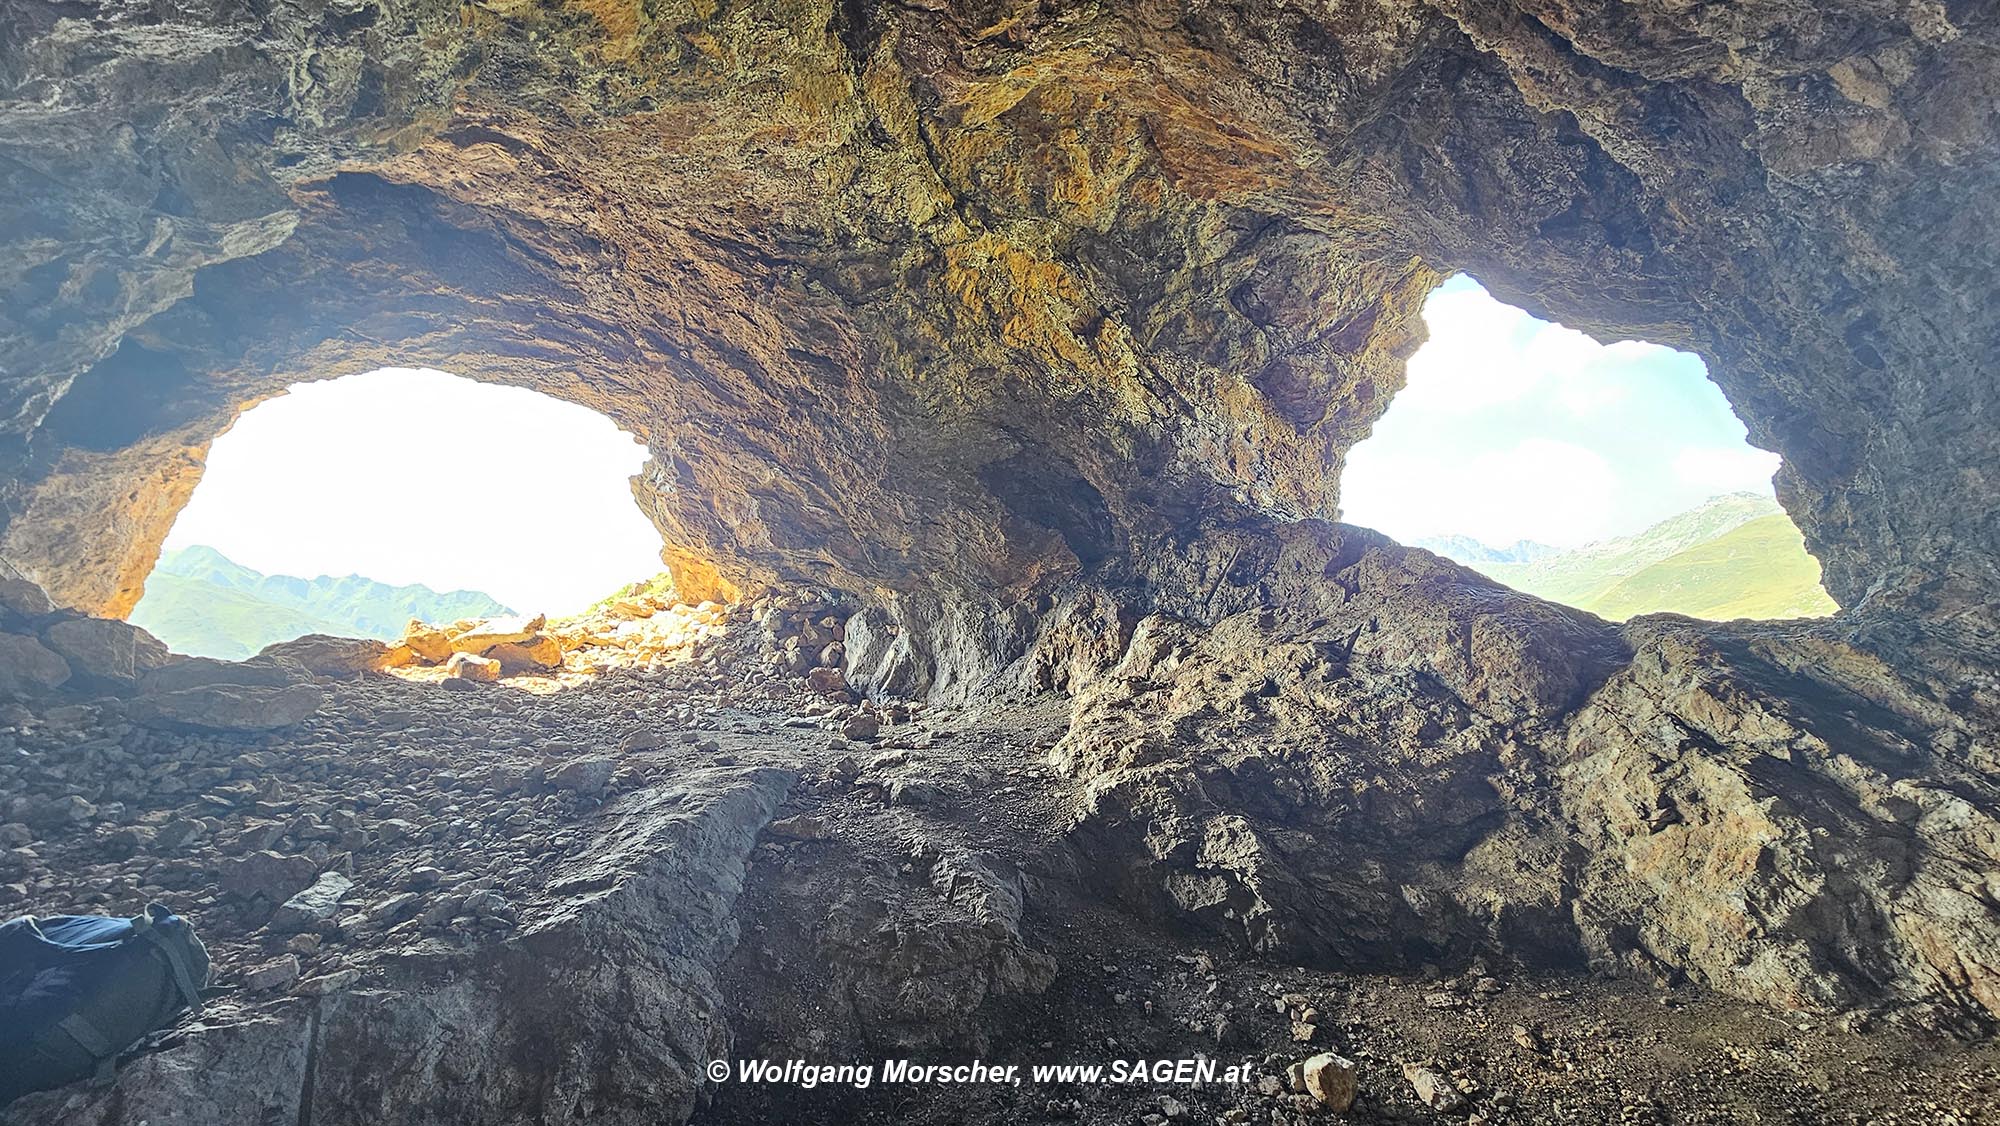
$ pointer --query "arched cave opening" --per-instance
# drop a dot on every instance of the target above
(1615, 478)
(352, 506)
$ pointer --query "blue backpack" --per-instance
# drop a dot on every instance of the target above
(78, 991)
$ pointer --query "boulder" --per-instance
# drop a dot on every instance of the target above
(22, 599)
(465, 666)
(229, 707)
(538, 653)
(100, 652)
(326, 655)
(430, 644)
(198, 672)
(29, 668)
(483, 635)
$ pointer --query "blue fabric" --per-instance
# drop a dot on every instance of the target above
(46, 964)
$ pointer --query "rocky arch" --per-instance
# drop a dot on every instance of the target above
(840, 265)
(1034, 334)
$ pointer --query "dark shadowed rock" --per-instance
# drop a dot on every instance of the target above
(229, 707)
(29, 668)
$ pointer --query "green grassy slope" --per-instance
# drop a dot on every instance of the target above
(1757, 570)
(1736, 556)
(202, 620)
(201, 603)
(1579, 576)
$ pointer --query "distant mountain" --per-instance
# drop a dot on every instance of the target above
(1735, 556)
(1466, 550)
(201, 603)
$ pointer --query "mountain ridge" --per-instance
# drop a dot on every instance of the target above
(202, 603)
(1734, 555)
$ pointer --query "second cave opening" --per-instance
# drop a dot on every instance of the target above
(1611, 477)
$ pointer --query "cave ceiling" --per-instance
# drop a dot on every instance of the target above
(982, 293)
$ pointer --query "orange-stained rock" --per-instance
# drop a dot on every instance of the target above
(427, 642)
(466, 666)
(483, 635)
(537, 653)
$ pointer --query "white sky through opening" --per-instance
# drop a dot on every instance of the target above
(408, 475)
(1512, 428)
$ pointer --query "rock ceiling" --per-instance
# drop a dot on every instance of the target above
(977, 293)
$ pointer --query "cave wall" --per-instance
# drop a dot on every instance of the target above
(977, 294)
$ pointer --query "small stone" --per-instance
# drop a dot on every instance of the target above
(467, 667)
(23, 598)
(1331, 1079)
(1433, 1090)
(391, 909)
(863, 727)
(313, 906)
(587, 776)
(801, 828)
(327, 984)
(272, 975)
(641, 740)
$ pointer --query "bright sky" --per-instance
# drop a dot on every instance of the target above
(408, 475)
(1513, 428)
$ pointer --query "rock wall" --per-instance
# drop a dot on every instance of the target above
(1316, 745)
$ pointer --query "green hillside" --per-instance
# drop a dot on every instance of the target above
(1757, 570)
(201, 603)
(1735, 556)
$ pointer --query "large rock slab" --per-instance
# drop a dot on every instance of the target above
(229, 707)
(29, 668)
(325, 655)
(100, 652)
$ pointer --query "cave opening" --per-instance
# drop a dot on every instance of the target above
(348, 507)
(1615, 478)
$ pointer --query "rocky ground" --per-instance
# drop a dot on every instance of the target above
(725, 857)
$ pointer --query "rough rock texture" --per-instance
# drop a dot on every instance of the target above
(505, 905)
(1037, 334)
(1014, 288)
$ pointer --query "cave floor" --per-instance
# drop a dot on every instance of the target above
(450, 808)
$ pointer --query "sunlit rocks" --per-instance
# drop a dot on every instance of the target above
(331, 656)
(478, 637)
(466, 666)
